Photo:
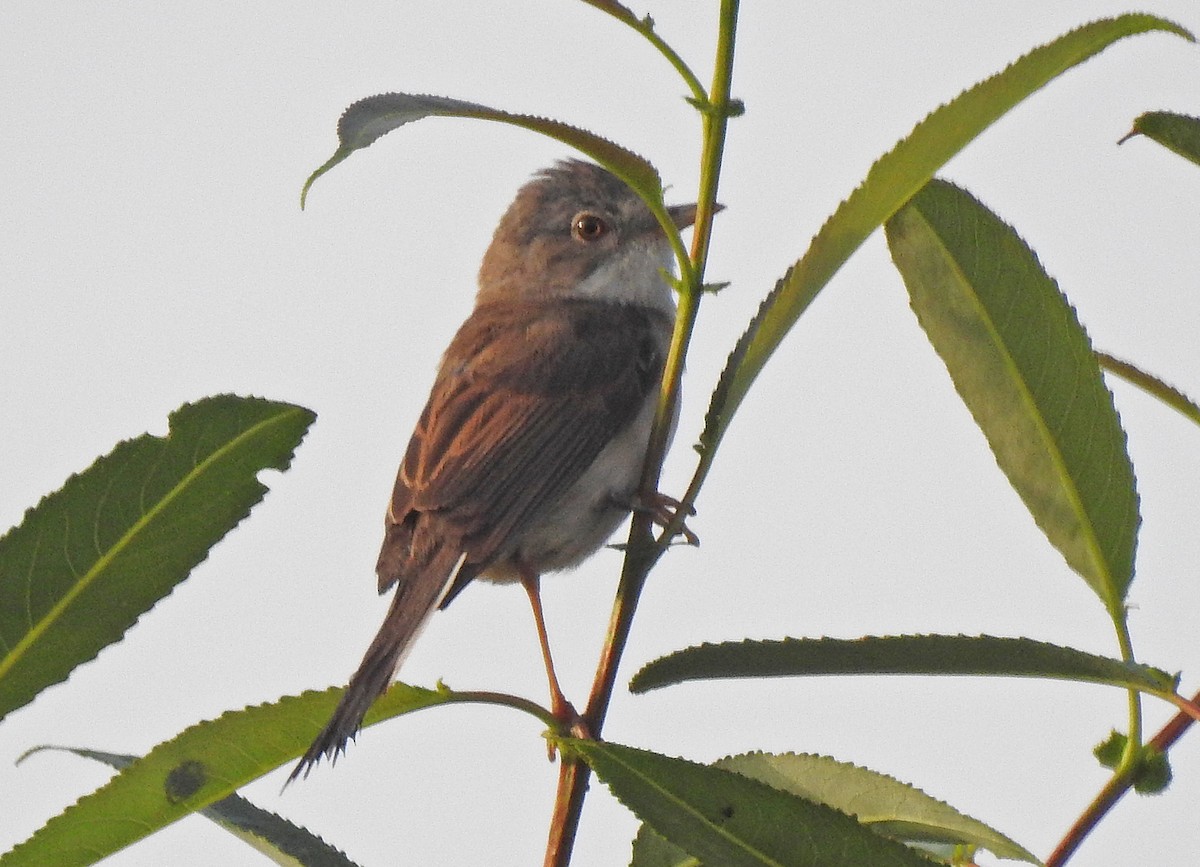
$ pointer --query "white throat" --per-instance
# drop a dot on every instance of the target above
(634, 275)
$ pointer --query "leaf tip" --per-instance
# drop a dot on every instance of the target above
(38, 749)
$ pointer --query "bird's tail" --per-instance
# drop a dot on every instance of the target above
(414, 601)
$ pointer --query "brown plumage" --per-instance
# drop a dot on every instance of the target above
(528, 452)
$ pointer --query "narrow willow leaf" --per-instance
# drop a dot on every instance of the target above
(982, 655)
(92, 557)
(726, 818)
(368, 119)
(1025, 368)
(1176, 132)
(1152, 385)
(203, 764)
(283, 842)
(884, 804)
(892, 180)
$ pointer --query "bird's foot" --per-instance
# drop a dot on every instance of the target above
(570, 721)
(662, 510)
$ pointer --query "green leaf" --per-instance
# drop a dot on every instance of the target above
(651, 849)
(91, 558)
(887, 806)
(1025, 368)
(368, 119)
(272, 835)
(203, 764)
(1176, 132)
(726, 818)
(983, 655)
(892, 180)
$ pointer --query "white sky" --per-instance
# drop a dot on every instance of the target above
(153, 252)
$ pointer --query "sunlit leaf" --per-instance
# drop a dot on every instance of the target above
(92, 557)
(893, 179)
(982, 655)
(651, 849)
(283, 842)
(882, 803)
(198, 767)
(1025, 368)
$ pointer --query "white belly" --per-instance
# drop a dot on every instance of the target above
(586, 516)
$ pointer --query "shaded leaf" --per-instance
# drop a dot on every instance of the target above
(203, 764)
(280, 840)
(368, 119)
(892, 180)
(726, 818)
(92, 557)
(899, 654)
(1176, 132)
(1025, 368)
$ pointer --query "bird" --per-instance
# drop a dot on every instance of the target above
(528, 454)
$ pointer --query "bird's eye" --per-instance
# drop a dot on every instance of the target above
(588, 227)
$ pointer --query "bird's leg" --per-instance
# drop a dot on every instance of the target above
(662, 509)
(562, 709)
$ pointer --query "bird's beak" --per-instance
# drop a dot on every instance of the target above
(684, 215)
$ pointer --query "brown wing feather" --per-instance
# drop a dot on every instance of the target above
(496, 446)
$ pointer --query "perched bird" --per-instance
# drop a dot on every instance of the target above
(529, 452)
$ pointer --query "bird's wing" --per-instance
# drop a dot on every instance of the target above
(527, 396)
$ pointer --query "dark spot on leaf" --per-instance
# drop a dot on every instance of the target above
(726, 813)
(185, 780)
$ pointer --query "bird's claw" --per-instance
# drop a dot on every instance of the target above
(662, 510)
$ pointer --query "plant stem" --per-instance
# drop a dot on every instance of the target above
(1114, 790)
(1133, 743)
(643, 551)
(647, 30)
(1152, 385)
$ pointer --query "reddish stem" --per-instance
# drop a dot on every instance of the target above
(1115, 789)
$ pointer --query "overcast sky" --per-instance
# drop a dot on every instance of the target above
(153, 252)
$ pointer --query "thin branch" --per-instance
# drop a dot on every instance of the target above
(1115, 789)
(643, 551)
